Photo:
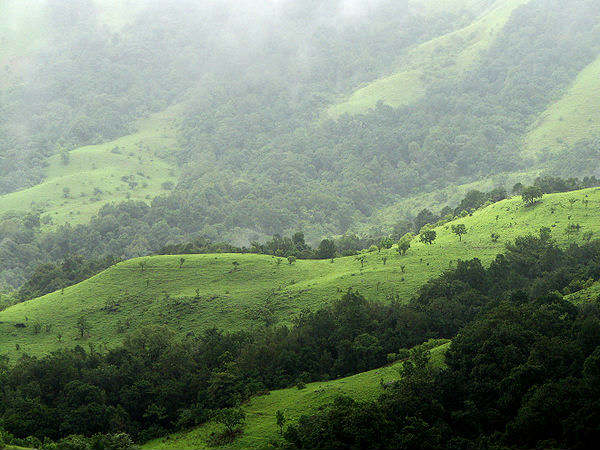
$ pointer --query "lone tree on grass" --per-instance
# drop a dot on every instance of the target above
(403, 245)
(82, 326)
(181, 262)
(232, 418)
(427, 236)
(280, 418)
(459, 230)
(531, 194)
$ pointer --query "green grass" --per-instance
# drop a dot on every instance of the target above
(437, 199)
(260, 411)
(124, 297)
(94, 174)
(397, 90)
(575, 116)
(446, 56)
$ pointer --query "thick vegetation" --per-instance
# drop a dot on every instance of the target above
(523, 375)
(144, 386)
(256, 155)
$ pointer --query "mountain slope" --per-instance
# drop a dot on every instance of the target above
(446, 56)
(575, 116)
(132, 167)
(233, 291)
(261, 427)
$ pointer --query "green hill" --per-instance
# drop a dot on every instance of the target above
(228, 290)
(260, 411)
(131, 167)
(448, 55)
(575, 116)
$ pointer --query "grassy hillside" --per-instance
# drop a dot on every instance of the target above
(260, 412)
(437, 199)
(95, 174)
(225, 290)
(575, 116)
(448, 55)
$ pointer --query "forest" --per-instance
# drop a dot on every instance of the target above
(323, 175)
(514, 329)
(299, 224)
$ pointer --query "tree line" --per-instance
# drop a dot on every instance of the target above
(155, 383)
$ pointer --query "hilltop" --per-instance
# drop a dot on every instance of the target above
(233, 291)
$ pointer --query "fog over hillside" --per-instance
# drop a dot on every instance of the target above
(239, 120)
(299, 224)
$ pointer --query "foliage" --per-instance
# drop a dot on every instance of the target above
(459, 229)
(531, 194)
(427, 236)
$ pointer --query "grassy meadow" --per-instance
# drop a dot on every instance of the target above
(226, 290)
(575, 116)
(131, 167)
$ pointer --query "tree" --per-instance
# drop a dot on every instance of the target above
(531, 194)
(326, 249)
(299, 242)
(291, 259)
(232, 418)
(82, 326)
(181, 262)
(427, 236)
(459, 229)
(517, 188)
(404, 244)
(401, 228)
(65, 156)
(386, 242)
(280, 419)
(424, 217)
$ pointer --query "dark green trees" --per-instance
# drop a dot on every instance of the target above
(531, 194)
(427, 236)
(326, 249)
(459, 229)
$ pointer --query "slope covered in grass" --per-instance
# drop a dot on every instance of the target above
(261, 427)
(131, 167)
(227, 290)
(445, 56)
(575, 116)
